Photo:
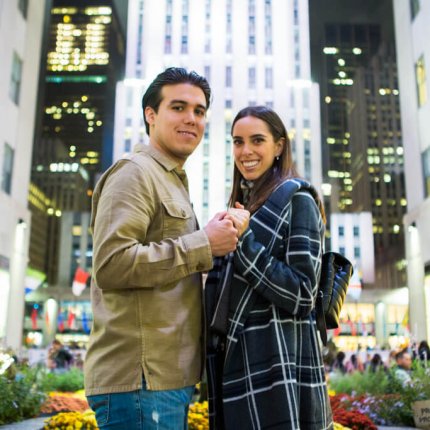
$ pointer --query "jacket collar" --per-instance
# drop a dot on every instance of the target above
(158, 156)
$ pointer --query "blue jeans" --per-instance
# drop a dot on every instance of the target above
(142, 409)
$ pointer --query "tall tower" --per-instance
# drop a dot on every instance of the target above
(21, 28)
(85, 53)
(355, 61)
(84, 62)
(251, 51)
(413, 55)
(346, 47)
(377, 166)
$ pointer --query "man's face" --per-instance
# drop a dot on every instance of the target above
(405, 361)
(177, 128)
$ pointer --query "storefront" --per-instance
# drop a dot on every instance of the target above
(379, 319)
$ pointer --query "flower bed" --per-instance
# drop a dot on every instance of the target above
(64, 402)
(71, 421)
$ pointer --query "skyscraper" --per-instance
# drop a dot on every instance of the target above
(413, 53)
(84, 60)
(251, 51)
(355, 63)
(21, 28)
(377, 168)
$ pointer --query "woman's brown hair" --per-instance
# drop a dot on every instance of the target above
(282, 168)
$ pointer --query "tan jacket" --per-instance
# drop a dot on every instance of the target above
(146, 288)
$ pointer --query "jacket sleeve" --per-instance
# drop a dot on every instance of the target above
(290, 284)
(123, 257)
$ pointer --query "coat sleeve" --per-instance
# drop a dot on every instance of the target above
(290, 284)
(123, 257)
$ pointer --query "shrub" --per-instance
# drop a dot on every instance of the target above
(380, 395)
(20, 398)
(360, 383)
(72, 380)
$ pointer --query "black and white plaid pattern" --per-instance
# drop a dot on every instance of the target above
(273, 375)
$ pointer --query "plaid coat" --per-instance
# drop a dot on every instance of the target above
(270, 374)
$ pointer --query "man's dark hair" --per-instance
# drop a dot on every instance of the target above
(172, 76)
(401, 354)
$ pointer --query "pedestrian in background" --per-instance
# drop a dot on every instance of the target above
(145, 349)
(59, 358)
(402, 369)
(424, 352)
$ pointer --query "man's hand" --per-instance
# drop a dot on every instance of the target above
(240, 217)
(222, 234)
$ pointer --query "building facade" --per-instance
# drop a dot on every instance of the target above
(413, 56)
(21, 29)
(251, 51)
(85, 56)
(83, 60)
(377, 166)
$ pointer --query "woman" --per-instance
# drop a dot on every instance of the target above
(267, 372)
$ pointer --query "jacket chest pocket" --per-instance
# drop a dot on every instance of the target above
(177, 219)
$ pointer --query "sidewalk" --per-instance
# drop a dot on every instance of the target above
(33, 424)
(37, 424)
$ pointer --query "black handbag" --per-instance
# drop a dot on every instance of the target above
(336, 272)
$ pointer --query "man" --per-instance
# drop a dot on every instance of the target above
(59, 358)
(145, 349)
(402, 369)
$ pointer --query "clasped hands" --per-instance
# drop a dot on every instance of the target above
(225, 228)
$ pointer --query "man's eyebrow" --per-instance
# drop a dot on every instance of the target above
(183, 102)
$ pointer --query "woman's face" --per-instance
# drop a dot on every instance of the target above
(254, 147)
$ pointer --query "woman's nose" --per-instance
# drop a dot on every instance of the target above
(247, 149)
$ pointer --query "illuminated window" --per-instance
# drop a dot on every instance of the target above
(81, 78)
(15, 80)
(420, 75)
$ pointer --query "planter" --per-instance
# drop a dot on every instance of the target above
(421, 411)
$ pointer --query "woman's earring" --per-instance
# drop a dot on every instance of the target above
(277, 158)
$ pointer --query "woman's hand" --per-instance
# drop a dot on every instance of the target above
(240, 218)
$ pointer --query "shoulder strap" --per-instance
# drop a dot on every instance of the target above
(285, 191)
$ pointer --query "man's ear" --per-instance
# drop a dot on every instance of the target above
(150, 115)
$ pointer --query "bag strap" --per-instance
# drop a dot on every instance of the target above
(285, 192)
(219, 322)
(320, 317)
